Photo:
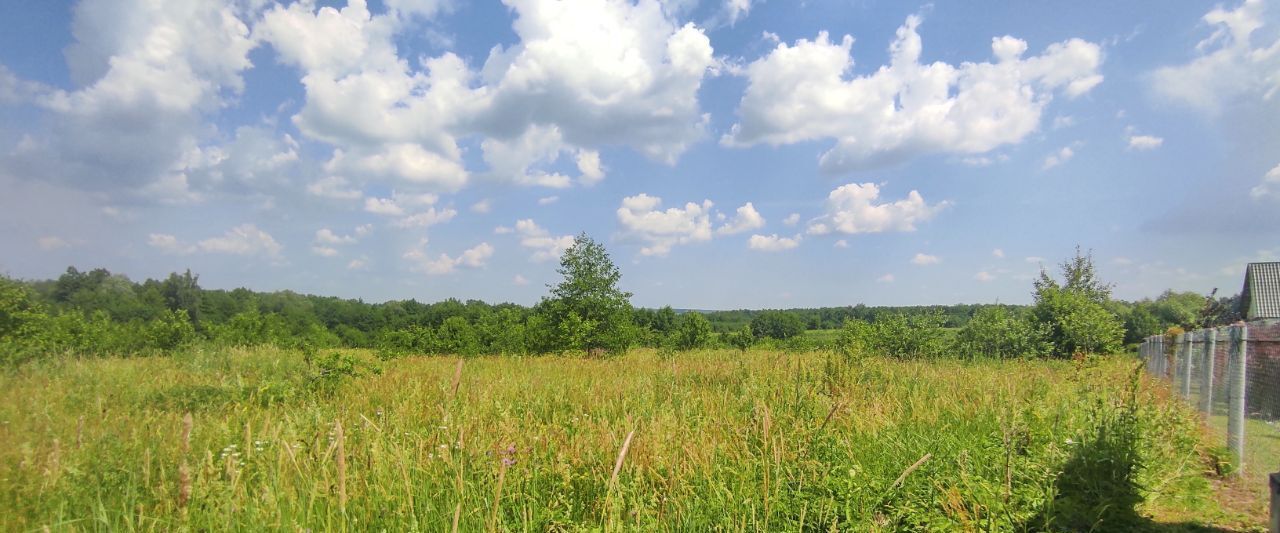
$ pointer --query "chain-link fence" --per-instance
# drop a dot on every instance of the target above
(1232, 375)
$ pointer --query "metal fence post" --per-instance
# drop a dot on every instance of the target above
(1175, 377)
(1164, 359)
(1188, 351)
(1236, 394)
(1160, 355)
(1206, 379)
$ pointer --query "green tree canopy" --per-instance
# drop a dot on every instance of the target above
(587, 309)
(1074, 314)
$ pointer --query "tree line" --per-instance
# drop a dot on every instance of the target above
(98, 312)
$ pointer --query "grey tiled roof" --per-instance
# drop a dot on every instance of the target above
(1261, 295)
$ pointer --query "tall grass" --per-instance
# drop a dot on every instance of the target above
(761, 440)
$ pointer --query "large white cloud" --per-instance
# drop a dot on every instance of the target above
(1230, 65)
(147, 75)
(853, 208)
(603, 72)
(642, 218)
(582, 74)
(523, 158)
(803, 92)
(385, 119)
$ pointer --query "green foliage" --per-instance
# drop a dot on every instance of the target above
(1078, 276)
(692, 331)
(250, 328)
(741, 339)
(1087, 327)
(654, 325)
(586, 309)
(335, 369)
(779, 325)
(502, 332)
(1099, 484)
(1076, 324)
(98, 313)
(855, 340)
(909, 337)
(1074, 314)
(171, 331)
(18, 310)
(456, 336)
(996, 332)
(412, 340)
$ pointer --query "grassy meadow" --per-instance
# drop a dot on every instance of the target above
(706, 440)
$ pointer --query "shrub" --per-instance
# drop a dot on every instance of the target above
(692, 331)
(855, 339)
(1076, 324)
(172, 330)
(456, 336)
(336, 368)
(776, 325)
(906, 337)
(996, 332)
(741, 339)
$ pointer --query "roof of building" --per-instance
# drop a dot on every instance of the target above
(1260, 297)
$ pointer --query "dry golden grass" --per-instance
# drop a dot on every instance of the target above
(705, 440)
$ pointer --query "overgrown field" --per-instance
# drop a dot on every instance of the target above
(722, 440)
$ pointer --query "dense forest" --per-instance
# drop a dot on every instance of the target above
(218, 313)
(100, 312)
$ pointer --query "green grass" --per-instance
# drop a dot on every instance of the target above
(1261, 458)
(723, 440)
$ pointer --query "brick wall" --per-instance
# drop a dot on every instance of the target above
(1263, 389)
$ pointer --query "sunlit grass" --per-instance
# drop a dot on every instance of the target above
(759, 441)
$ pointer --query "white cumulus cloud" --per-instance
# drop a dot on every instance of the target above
(1230, 64)
(772, 243)
(852, 208)
(746, 218)
(148, 76)
(803, 92)
(421, 261)
(642, 219)
(544, 245)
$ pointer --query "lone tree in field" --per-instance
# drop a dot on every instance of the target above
(586, 310)
(1074, 313)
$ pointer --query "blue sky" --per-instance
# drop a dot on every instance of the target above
(730, 153)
